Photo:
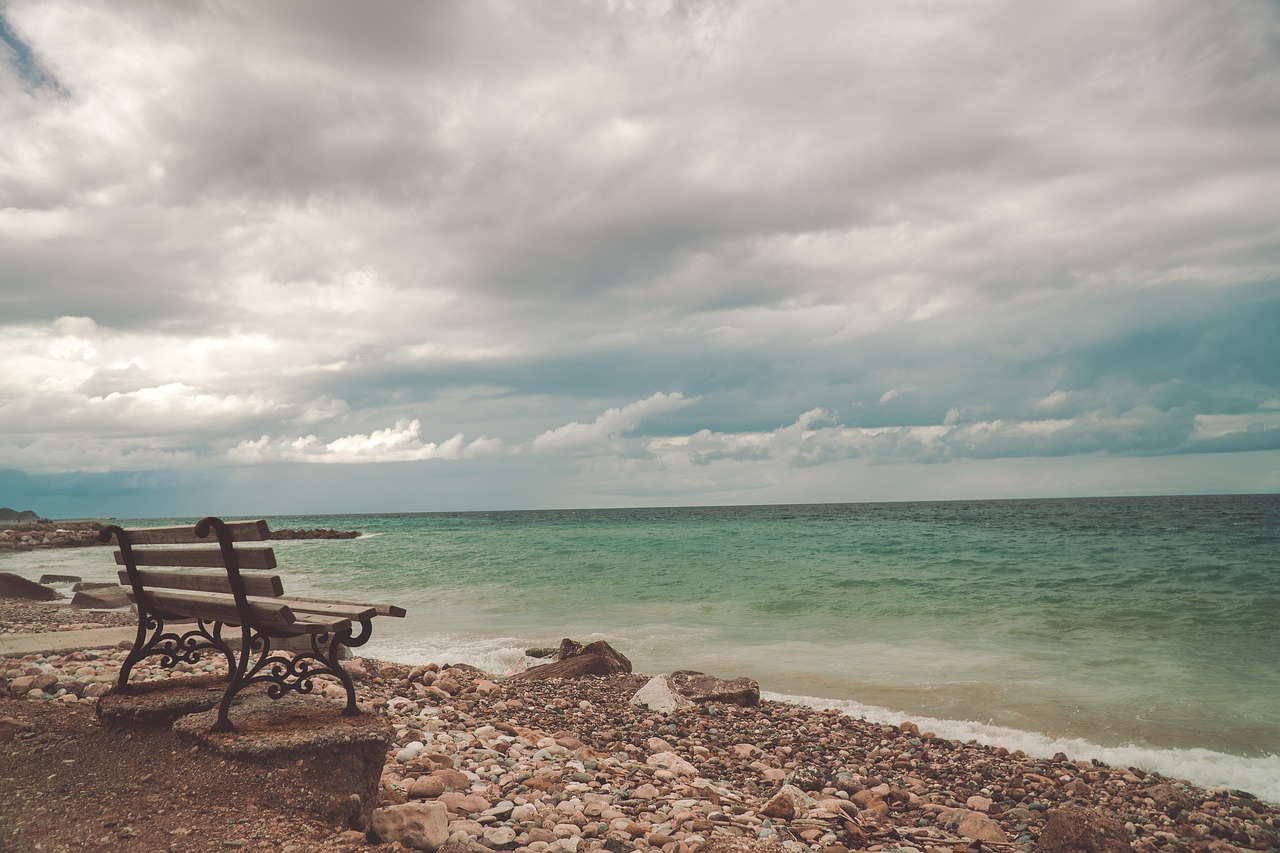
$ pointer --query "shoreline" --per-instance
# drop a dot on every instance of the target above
(1257, 771)
(891, 785)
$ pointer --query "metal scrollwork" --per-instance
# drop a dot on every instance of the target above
(283, 673)
(173, 648)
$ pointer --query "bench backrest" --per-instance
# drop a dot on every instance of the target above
(150, 569)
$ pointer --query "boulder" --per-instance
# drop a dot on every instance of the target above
(659, 695)
(577, 660)
(421, 826)
(700, 687)
(1072, 829)
(15, 586)
(100, 599)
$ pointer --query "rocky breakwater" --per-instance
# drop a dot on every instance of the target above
(68, 534)
(315, 533)
(30, 536)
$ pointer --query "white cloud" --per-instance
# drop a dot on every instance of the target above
(608, 428)
(400, 443)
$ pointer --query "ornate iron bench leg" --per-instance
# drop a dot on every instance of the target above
(346, 638)
(173, 648)
(139, 650)
(334, 664)
(236, 679)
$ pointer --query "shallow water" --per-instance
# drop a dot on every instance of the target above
(1138, 630)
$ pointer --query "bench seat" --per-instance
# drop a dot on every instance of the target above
(277, 613)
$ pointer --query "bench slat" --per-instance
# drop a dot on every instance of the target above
(248, 558)
(354, 612)
(206, 581)
(379, 609)
(268, 613)
(211, 605)
(241, 531)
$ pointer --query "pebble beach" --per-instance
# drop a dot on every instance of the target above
(574, 765)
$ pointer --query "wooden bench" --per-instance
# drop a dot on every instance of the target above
(232, 587)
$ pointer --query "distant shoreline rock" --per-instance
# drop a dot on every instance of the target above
(26, 516)
(31, 536)
(318, 533)
(49, 534)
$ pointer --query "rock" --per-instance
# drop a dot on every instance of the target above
(424, 826)
(660, 695)
(700, 688)
(672, 762)
(577, 660)
(569, 649)
(972, 824)
(808, 779)
(318, 533)
(1077, 830)
(617, 660)
(462, 842)
(729, 844)
(334, 762)
(1167, 796)
(1077, 788)
(979, 827)
(453, 779)
(868, 796)
(524, 812)
(500, 836)
(786, 804)
(15, 586)
(104, 599)
(45, 682)
(462, 803)
(44, 579)
(426, 788)
(10, 727)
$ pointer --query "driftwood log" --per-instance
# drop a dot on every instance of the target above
(577, 660)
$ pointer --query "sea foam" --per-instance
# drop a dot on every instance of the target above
(1259, 776)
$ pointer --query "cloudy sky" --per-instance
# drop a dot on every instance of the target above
(337, 257)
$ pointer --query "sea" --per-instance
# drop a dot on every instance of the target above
(1137, 631)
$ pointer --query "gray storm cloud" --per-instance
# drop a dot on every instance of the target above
(703, 251)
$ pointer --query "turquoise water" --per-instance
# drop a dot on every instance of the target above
(1140, 631)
